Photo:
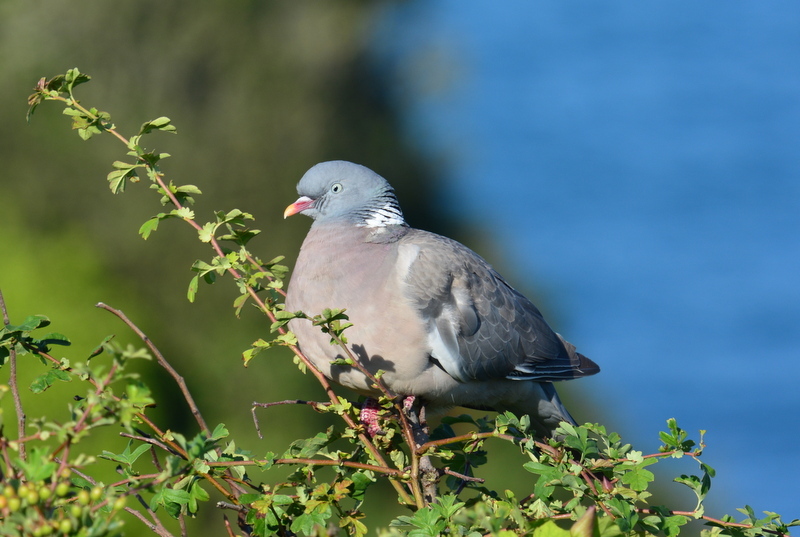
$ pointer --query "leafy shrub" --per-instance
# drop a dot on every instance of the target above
(587, 482)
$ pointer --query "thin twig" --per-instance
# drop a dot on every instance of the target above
(228, 527)
(154, 524)
(163, 363)
(12, 382)
(155, 527)
(232, 506)
(149, 440)
(276, 403)
(463, 477)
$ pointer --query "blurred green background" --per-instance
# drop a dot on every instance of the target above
(259, 92)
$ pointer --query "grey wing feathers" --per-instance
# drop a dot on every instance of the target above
(480, 327)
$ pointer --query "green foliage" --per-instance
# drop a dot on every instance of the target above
(585, 482)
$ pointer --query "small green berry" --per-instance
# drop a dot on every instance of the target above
(96, 494)
(14, 504)
(62, 489)
(65, 526)
(119, 503)
(83, 497)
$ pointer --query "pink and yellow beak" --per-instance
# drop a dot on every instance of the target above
(302, 203)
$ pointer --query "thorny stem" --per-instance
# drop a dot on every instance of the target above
(12, 359)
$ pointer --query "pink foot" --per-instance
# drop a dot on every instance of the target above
(369, 416)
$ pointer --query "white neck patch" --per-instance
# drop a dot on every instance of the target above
(388, 215)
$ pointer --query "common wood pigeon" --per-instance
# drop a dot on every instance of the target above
(432, 314)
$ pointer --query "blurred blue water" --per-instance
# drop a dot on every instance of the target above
(641, 162)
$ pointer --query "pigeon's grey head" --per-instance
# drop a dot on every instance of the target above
(343, 191)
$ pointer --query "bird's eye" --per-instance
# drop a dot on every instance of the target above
(336, 188)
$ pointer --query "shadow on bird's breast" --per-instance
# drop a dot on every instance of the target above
(373, 363)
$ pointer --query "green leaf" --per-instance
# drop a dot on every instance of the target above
(30, 323)
(194, 285)
(118, 179)
(188, 189)
(303, 449)
(550, 529)
(73, 78)
(220, 431)
(306, 523)
(672, 525)
(207, 232)
(44, 381)
(638, 478)
(148, 227)
(38, 465)
(127, 457)
(54, 338)
(708, 473)
(163, 124)
(184, 212)
(172, 500)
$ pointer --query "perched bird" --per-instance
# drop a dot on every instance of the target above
(432, 314)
